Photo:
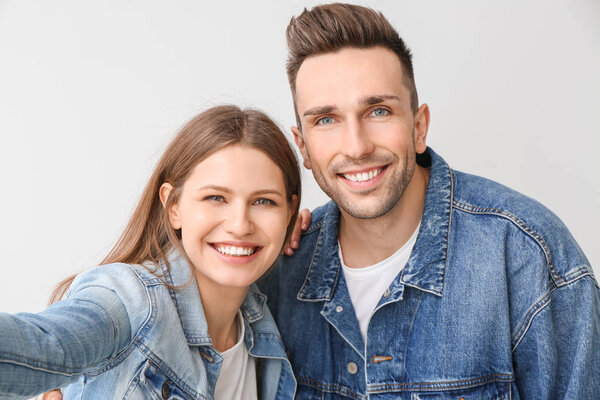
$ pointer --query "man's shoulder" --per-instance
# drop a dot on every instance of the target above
(482, 194)
(475, 195)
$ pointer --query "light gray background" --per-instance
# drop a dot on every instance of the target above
(91, 91)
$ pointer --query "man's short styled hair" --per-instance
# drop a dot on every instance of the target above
(329, 28)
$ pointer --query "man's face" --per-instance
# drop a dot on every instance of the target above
(359, 134)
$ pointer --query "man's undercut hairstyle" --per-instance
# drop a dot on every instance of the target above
(329, 28)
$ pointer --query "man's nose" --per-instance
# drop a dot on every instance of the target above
(357, 142)
(238, 221)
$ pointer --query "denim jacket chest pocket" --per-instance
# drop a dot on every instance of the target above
(152, 383)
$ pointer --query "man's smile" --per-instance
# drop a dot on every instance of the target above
(363, 178)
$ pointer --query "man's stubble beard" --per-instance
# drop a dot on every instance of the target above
(384, 203)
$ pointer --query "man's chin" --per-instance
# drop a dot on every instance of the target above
(372, 208)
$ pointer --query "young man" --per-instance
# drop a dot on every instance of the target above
(417, 281)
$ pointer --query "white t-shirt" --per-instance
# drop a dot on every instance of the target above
(366, 285)
(237, 377)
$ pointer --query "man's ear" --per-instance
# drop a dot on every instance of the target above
(299, 139)
(165, 190)
(421, 128)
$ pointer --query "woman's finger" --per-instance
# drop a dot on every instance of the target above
(302, 224)
(55, 394)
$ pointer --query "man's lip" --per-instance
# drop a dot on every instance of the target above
(366, 184)
(360, 171)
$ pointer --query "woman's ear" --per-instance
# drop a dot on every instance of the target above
(165, 191)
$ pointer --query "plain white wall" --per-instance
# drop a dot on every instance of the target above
(90, 93)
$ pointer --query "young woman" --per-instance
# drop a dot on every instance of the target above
(172, 311)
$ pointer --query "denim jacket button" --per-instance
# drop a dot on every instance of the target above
(352, 368)
(165, 390)
(339, 309)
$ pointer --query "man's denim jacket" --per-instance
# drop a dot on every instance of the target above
(497, 301)
(123, 334)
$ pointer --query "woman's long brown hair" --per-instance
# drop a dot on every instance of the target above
(148, 235)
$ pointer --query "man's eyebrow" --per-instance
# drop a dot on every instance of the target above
(376, 99)
(319, 110)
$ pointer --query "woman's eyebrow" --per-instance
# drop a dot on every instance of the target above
(268, 191)
(228, 190)
(215, 187)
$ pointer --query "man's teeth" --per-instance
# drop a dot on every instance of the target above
(234, 250)
(365, 176)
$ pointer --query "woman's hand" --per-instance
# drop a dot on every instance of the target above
(55, 394)
(302, 224)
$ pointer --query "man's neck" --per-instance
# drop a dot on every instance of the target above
(365, 242)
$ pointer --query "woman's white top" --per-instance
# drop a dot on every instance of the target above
(237, 377)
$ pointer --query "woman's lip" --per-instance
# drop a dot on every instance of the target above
(234, 243)
(236, 259)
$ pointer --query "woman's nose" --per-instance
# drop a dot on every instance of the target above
(238, 221)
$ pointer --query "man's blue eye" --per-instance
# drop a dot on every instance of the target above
(380, 112)
(325, 121)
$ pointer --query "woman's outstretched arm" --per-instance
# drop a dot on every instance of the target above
(51, 349)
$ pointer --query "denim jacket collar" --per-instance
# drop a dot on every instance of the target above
(189, 305)
(426, 265)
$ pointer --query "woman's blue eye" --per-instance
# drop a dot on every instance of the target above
(325, 121)
(214, 197)
(380, 112)
(264, 202)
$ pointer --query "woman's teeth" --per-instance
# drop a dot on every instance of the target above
(235, 251)
(365, 176)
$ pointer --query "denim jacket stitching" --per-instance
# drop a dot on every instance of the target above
(442, 385)
(406, 340)
(173, 377)
(308, 273)
(313, 227)
(452, 178)
(32, 366)
(539, 305)
(558, 280)
(134, 337)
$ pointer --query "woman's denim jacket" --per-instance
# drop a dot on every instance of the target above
(497, 301)
(123, 334)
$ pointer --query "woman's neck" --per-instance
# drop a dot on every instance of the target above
(221, 305)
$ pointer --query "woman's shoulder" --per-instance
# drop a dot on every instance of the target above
(117, 277)
(128, 284)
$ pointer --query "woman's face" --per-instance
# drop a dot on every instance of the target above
(233, 214)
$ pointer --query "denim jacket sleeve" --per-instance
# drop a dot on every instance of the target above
(51, 349)
(559, 355)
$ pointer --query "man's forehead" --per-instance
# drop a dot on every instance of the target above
(350, 75)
